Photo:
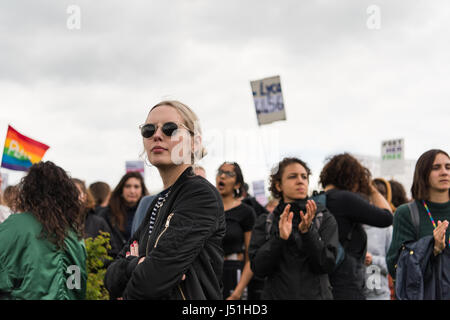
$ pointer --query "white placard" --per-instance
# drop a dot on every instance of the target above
(392, 157)
(138, 166)
(259, 192)
(258, 187)
(268, 99)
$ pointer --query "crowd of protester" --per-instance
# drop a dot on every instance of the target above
(354, 239)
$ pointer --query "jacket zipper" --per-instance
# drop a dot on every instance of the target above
(181, 291)
(158, 217)
(165, 229)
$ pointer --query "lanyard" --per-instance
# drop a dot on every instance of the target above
(431, 217)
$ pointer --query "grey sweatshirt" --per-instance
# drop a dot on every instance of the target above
(378, 242)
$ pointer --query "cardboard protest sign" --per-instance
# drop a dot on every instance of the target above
(268, 99)
(392, 157)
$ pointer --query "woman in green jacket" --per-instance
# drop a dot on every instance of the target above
(42, 254)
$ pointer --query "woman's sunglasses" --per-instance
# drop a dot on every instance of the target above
(168, 128)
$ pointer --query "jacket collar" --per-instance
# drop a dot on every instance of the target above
(188, 173)
(297, 204)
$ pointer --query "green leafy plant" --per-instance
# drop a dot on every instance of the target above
(97, 254)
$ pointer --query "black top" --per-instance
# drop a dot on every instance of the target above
(252, 202)
(118, 237)
(239, 220)
(351, 210)
(129, 221)
(94, 224)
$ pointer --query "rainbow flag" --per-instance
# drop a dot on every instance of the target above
(21, 152)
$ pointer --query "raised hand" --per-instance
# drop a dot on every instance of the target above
(307, 218)
(439, 237)
(285, 223)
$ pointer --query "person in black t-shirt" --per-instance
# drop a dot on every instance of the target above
(240, 219)
(348, 187)
(256, 284)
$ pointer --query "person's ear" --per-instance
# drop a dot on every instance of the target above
(196, 147)
(277, 186)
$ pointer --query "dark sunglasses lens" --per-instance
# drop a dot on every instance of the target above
(168, 128)
(148, 130)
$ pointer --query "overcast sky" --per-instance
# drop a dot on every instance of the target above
(349, 79)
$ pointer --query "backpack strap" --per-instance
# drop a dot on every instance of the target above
(269, 222)
(319, 197)
(414, 211)
(318, 220)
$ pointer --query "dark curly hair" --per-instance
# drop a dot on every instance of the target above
(345, 172)
(48, 193)
(277, 174)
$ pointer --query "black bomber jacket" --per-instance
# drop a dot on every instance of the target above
(186, 240)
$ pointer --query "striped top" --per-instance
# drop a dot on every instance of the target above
(159, 203)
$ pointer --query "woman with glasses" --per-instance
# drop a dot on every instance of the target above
(240, 219)
(177, 251)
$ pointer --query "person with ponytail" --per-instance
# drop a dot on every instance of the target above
(240, 219)
(176, 253)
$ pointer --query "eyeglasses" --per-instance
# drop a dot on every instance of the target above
(168, 128)
(230, 174)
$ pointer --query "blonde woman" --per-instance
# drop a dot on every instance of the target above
(177, 251)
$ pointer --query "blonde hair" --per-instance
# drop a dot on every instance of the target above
(190, 120)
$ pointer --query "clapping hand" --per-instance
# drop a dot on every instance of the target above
(439, 237)
(307, 218)
(285, 223)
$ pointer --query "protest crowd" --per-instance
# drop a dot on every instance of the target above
(357, 238)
